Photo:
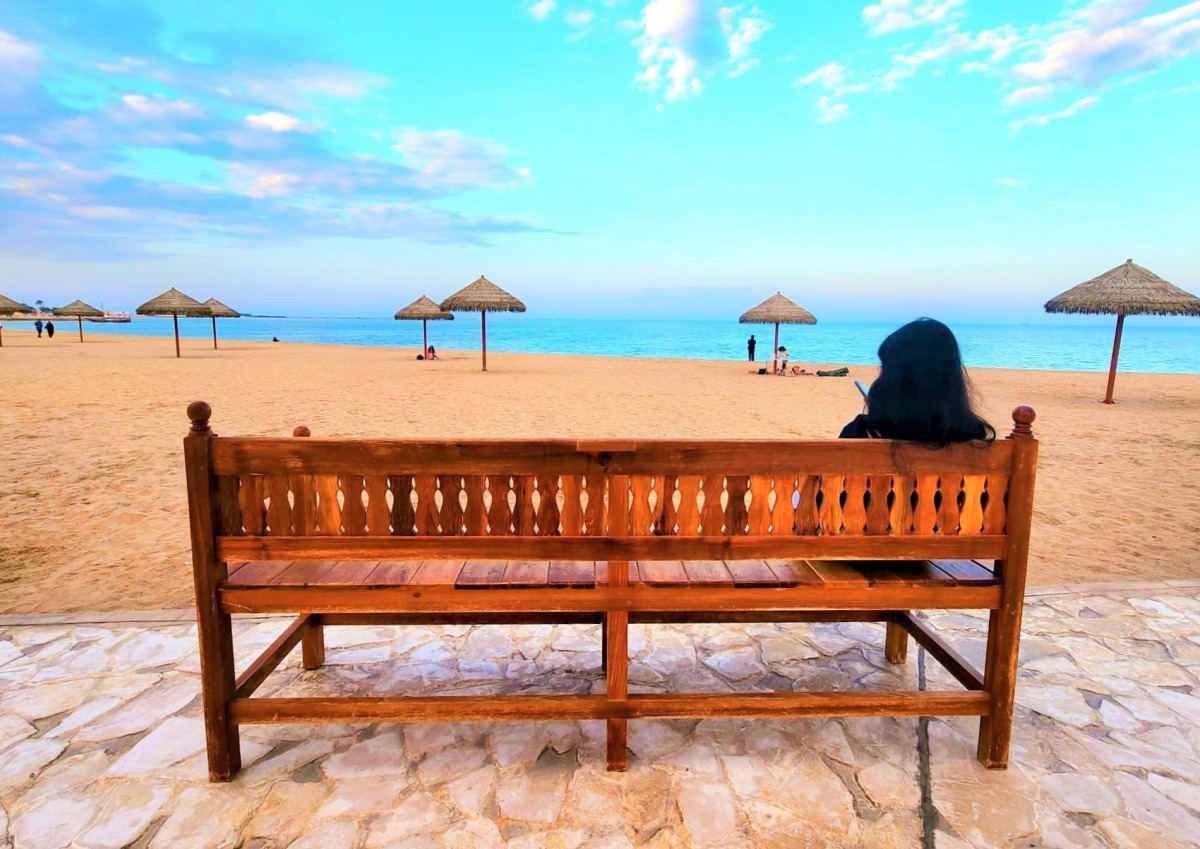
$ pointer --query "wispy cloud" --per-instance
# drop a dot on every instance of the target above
(832, 78)
(1029, 94)
(166, 148)
(1042, 120)
(1091, 44)
(895, 15)
(682, 42)
(277, 122)
(542, 9)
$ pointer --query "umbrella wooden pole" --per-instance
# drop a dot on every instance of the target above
(214, 318)
(1112, 369)
(80, 327)
(425, 338)
(175, 317)
(483, 318)
(775, 351)
(1, 335)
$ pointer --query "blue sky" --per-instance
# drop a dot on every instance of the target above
(873, 160)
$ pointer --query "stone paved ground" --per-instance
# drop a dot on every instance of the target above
(101, 744)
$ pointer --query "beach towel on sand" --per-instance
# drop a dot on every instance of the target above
(838, 372)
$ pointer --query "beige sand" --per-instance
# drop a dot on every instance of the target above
(92, 501)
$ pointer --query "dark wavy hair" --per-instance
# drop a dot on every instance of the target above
(923, 393)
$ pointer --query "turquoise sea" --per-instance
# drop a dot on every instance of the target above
(1148, 345)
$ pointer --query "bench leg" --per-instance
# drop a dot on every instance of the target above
(312, 644)
(616, 644)
(217, 683)
(895, 645)
(1000, 681)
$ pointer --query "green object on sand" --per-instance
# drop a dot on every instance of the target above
(838, 372)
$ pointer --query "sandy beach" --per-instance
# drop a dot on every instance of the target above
(92, 501)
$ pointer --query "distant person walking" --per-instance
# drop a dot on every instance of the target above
(50, 329)
(37, 325)
(751, 344)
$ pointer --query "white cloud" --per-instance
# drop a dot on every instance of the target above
(895, 15)
(542, 9)
(277, 122)
(683, 41)
(17, 56)
(579, 18)
(1029, 94)
(1106, 39)
(831, 77)
(157, 106)
(1042, 120)
(101, 213)
(448, 159)
(126, 65)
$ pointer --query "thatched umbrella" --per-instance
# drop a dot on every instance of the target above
(1125, 290)
(777, 310)
(8, 307)
(78, 309)
(425, 310)
(174, 303)
(219, 310)
(482, 296)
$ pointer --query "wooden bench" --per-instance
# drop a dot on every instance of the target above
(353, 532)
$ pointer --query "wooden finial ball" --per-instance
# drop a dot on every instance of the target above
(302, 431)
(1024, 415)
(199, 412)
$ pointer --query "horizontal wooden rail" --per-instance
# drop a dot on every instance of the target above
(266, 663)
(951, 661)
(272, 456)
(879, 547)
(444, 599)
(635, 618)
(418, 709)
(576, 707)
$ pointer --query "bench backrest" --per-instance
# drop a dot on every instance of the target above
(348, 499)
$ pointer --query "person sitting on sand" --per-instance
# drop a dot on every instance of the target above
(431, 354)
(923, 393)
(782, 357)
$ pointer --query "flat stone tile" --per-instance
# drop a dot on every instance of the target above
(102, 743)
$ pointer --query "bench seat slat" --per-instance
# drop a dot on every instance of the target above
(437, 572)
(261, 572)
(481, 574)
(712, 572)
(663, 573)
(922, 574)
(350, 572)
(393, 572)
(795, 573)
(752, 573)
(572, 573)
(527, 573)
(967, 571)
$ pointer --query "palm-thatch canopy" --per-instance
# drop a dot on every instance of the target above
(174, 302)
(1125, 290)
(8, 306)
(424, 309)
(778, 309)
(482, 296)
(78, 309)
(219, 310)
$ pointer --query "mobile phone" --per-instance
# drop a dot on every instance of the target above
(861, 388)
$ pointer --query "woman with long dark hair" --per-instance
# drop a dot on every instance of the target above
(922, 393)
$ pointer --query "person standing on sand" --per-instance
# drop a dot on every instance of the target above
(750, 345)
(50, 329)
(37, 325)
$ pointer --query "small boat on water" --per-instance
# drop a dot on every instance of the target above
(111, 317)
